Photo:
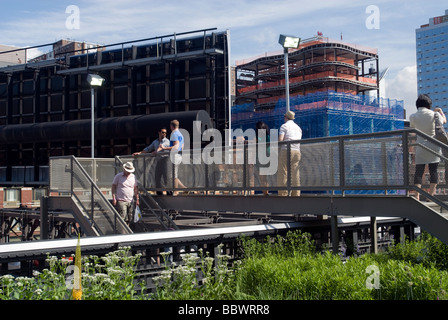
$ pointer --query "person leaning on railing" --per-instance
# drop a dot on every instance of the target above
(154, 147)
(161, 169)
(423, 120)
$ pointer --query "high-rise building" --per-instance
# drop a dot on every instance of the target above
(432, 60)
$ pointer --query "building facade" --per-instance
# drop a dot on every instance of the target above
(319, 64)
(334, 90)
(432, 60)
(45, 103)
(10, 56)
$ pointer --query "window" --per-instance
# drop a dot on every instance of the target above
(2, 173)
(39, 193)
(12, 195)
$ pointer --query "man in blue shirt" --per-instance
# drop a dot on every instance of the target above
(176, 145)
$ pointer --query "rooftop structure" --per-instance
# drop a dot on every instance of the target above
(10, 56)
(68, 48)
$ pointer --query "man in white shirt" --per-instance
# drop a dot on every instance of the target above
(289, 131)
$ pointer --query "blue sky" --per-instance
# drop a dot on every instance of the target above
(254, 26)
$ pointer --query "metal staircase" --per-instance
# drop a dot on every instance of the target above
(88, 203)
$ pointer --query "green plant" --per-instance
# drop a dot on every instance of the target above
(437, 251)
(270, 271)
(196, 278)
(108, 277)
(409, 251)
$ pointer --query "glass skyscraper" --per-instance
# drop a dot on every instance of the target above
(432, 60)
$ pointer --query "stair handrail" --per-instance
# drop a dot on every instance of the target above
(94, 189)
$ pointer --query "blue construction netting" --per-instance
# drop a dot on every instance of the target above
(328, 113)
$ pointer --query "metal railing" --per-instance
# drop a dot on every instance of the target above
(373, 163)
(364, 164)
(68, 176)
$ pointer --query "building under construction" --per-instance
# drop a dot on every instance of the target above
(331, 84)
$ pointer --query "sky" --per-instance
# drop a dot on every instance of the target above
(254, 25)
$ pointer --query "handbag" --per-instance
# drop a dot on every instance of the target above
(440, 130)
(137, 214)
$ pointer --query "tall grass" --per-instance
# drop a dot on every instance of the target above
(274, 270)
(278, 268)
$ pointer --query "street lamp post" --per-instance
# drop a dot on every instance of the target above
(288, 42)
(95, 81)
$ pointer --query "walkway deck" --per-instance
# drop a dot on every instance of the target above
(425, 214)
(367, 175)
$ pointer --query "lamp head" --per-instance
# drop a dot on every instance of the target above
(95, 80)
(289, 41)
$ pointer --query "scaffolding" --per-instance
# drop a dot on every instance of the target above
(329, 113)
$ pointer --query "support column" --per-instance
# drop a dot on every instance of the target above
(373, 235)
(44, 218)
(334, 234)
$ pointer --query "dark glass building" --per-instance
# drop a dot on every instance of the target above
(45, 104)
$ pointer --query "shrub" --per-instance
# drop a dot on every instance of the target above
(273, 270)
(108, 277)
(195, 278)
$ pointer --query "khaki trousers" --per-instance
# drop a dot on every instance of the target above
(282, 175)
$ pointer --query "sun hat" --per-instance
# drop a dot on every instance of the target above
(290, 115)
(129, 167)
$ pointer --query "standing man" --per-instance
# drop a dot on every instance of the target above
(289, 131)
(176, 145)
(124, 189)
(154, 147)
(161, 162)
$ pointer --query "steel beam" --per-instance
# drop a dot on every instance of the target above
(364, 206)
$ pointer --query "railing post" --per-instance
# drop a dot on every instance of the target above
(144, 168)
(288, 170)
(373, 235)
(405, 147)
(245, 167)
(334, 234)
(71, 176)
(341, 165)
(384, 164)
(44, 217)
